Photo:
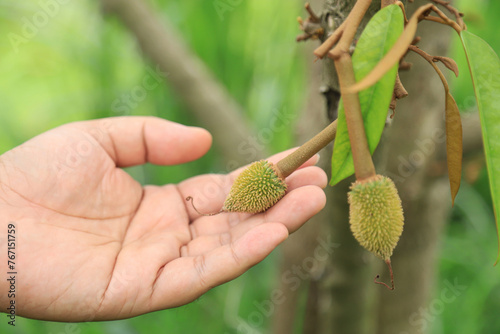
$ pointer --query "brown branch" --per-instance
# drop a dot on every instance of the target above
(443, 19)
(323, 49)
(311, 26)
(431, 61)
(312, 15)
(294, 160)
(193, 82)
(363, 163)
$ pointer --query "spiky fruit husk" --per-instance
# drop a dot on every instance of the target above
(376, 215)
(256, 189)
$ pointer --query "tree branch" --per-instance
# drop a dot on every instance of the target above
(195, 85)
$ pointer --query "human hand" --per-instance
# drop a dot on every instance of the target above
(93, 244)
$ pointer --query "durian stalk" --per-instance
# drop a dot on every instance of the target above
(361, 156)
(294, 160)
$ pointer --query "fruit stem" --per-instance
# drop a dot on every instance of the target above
(294, 160)
(190, 198)
(388, 262)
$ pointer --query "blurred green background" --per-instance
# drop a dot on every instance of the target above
(77, 65)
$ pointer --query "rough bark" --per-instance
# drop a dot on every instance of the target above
(193, 82)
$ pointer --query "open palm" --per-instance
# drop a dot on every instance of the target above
(93, 244)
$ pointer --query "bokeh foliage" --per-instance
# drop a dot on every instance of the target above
(77, 65)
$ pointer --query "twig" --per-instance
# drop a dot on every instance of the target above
(397, 51)
(354, 19)
(454, 11)
(431, 61)
(443, 19)
(323, 49)
(311, 26)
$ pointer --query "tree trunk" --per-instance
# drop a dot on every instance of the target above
(416, 136)
(342, 295)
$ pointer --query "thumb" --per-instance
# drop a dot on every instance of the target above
(134, 140)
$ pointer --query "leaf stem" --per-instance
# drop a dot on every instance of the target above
(454, 136)
(443, 19)
(398, 50)
(454, 11)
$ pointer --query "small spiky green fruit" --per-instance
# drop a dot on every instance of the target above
(376, 215)
(256, 189)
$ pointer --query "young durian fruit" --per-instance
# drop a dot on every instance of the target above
(255, 190)
(376, 217)
(262, 184)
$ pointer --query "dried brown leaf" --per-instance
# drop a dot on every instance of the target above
(449, 63)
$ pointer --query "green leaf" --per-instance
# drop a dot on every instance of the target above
(377, 39)
(484, 67)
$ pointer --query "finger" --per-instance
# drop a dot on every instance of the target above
(313, 175)
(206, 243)
(292, 211)
(187, 278)
(133, 141)
(277, 157)
(297, 207)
